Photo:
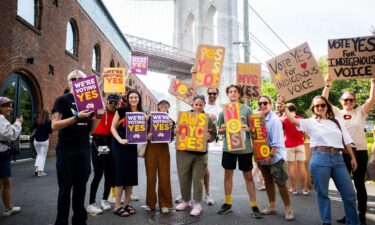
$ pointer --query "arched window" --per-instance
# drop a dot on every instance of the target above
(112, 63)
(211, 35)
(72, 38)
(189, 41)
(96, 58)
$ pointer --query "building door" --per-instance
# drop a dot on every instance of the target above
(17, 88)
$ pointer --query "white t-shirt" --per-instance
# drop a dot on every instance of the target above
(213, 109)
(325, 132)
(354, 122)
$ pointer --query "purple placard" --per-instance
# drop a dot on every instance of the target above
(139, 65)
(160, 127)
(136, 128)
(87, 94)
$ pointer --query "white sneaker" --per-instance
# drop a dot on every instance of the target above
(164, 210)
(134, 198)
(13, 210)
(105, 205)
(93, 210)
(208, 200)
(183, 205)
(197, 210)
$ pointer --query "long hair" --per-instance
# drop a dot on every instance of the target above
(42, 116)
(330, 115)
(139, 105)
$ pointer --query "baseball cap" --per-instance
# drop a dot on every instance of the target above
(113, 98)
(4, 100)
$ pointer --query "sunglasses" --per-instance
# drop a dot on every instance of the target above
(351, 100)
(211, 93)
(323, 105)
(74, 78)
(263, 103)
(112, 103)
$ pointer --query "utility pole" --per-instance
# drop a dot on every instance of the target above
(246, 41)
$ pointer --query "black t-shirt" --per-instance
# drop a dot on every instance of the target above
(75, 136)
(42, 131)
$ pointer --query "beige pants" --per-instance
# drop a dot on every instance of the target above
(190, 169)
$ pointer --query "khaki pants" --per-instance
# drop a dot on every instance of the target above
(157, 160)
(191, 168)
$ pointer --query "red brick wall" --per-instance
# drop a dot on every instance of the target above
(19, 42)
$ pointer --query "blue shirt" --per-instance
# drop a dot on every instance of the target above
(275, 136)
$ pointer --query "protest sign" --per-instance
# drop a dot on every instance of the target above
(209, 65)
(351, 58)
(160, 127)
(259, 136)
(295, 72)
(248, 78)
(136, 128)
(114, 80)
(183, 91)
(139, 65)
(234, 133)
(87, 94)
(191, 132)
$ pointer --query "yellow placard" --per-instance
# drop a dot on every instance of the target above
(114, 80)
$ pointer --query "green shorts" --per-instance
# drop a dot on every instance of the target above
(279, 173)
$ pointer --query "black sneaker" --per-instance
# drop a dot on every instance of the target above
(256, 213)
(341, 220)
(225, 208)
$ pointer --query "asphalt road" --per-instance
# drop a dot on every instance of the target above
(37, 197)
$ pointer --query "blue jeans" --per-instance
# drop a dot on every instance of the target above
(326, 165)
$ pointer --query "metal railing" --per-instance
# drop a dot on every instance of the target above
(157, 48)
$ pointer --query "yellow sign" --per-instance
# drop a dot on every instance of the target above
(114, 80)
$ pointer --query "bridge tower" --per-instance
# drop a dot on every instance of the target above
(213, 22)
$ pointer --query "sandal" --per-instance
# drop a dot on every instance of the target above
(121, 212)
(130, 209)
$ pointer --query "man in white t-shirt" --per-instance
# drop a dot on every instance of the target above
(354, 119)
(213, 110)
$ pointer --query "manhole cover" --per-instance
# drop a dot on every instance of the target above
(174, 218)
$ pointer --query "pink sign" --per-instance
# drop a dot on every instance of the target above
(139, 65)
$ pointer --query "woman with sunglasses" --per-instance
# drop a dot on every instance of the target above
(328, 138)
(157, 162)
(354, 120)
(273, 168)
(124, 155)
(191, 166)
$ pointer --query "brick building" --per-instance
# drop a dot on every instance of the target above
(42, 41)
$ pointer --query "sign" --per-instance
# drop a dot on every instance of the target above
(183, 91)
(191, 132)
(351, 58)
(295, 72)
(136, 132)
(160, 127)
(139, 65)
(87, 94)
(209, 64)
(114, 80)
(248, 78)
(234, 133)
(259, 136)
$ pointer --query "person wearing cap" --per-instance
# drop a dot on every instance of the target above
(72, 155)
(101, 155)
(157, 160)
(7, 132)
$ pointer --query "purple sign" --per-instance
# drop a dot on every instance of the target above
(139, 65)
(160, 127)
(136, 128)
(87, 94)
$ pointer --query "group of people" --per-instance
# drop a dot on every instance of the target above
(337, 141)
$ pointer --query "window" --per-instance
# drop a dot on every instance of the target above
(112, 64)
(26, 10)
(72, 38)
(96, 58)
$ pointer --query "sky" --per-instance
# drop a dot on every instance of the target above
(295, 21)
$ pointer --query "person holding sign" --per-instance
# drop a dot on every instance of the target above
(328, 139)
(125, 155)
(244, 157)
(273, 167)
(191, 166)
(354, 120)
(157, 160)
(72, 154)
